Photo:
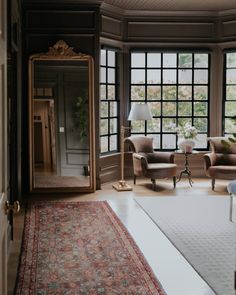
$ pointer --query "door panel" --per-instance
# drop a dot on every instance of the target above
(3, 247)
(3, 150)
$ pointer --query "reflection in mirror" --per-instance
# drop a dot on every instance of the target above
(61, 111)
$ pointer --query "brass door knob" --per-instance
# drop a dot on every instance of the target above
(15, 208)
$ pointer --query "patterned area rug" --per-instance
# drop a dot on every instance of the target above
(80, 248)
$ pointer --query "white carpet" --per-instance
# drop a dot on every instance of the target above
(199, 227)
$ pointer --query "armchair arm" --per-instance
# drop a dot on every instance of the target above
(160, 157)
(209, 160)
(140, 164)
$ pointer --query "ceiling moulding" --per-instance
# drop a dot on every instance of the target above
(112, 9)
(95, 2)
(227, 12)
(145, 13)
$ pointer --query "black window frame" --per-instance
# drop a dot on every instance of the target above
(224, 116)
(176, 84)
(116, 85)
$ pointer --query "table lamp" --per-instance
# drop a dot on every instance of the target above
(139, 111)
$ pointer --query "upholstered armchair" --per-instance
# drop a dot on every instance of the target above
(221, 162)
(150, 164)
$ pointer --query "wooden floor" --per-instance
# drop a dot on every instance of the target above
(169, 266)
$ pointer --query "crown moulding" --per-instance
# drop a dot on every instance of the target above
(105, 7)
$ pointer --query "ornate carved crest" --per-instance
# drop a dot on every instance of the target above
(61, 48)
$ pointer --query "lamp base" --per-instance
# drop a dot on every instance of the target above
(122, 186)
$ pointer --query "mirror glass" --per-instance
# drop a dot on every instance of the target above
(62, 155)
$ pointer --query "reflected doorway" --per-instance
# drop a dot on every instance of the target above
(44, 137)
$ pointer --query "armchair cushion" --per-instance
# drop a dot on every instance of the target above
(222, 172)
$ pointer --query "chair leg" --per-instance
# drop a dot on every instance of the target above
(174, 181)
(153, 184)
(213, 184)
(134, 179)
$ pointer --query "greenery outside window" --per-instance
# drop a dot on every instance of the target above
(229, 103)
(176, 87)
(109, 103)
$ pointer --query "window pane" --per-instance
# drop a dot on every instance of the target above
(185, 60)
(169, 141)
(185, 92)
(111, 58)
(113, 125)
(169, 124)
(231, 92)
(185, 76)
(138, 60)
(154, 92)
(231, 60)
(231, 76)
(113, 109)
(200, 124)
(200, 76)
(169, 109)
(156, 140)
(137, 76)
(103, 75)
(153, 76)
(169, 60)
(153, 60)
(201, 141)
(185, 109)
(103, 92)
(111, 92)
(200, 92)
(103, 126)
(155, 108)
(229, 126)
(111, 76)
(104, 144)
(200, 108)
(137, 92)
(201, 60)
(138, 126)
(169, 76)
(104, 109)
(169, 92)
(230, 108)
(103, 57)
(113, 142)
(183, 121)
(153, 125)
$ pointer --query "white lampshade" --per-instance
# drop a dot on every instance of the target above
(140, 111)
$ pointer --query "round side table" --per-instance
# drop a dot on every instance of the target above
(186, 170)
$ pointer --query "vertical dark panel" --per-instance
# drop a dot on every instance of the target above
(43, 24)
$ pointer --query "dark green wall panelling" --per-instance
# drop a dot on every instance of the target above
(43, 24)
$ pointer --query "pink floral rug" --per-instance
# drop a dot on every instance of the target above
(80, 248)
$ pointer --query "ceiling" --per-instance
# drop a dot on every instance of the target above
(173, 5)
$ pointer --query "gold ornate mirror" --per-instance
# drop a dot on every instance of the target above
(62, 152)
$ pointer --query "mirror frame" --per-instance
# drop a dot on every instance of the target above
(61, 51)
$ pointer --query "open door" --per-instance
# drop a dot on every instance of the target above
(3, 150)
